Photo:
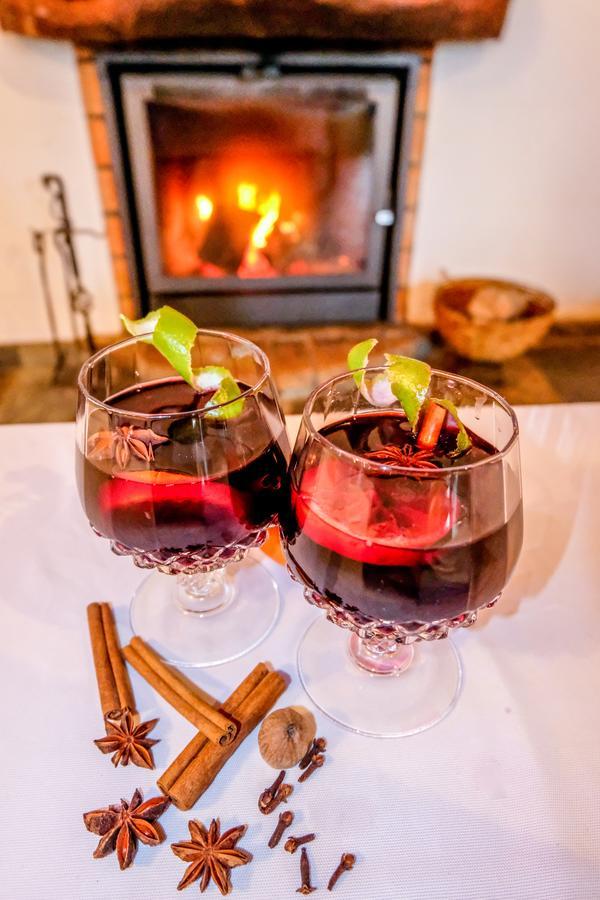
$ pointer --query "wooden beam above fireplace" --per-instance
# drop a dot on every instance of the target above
(382, 23)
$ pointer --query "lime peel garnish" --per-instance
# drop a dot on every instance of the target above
(174, 335)
(463, 441)
(227, 389)
(358, 358)
(408, 381)
(405, 380)
(142, 327)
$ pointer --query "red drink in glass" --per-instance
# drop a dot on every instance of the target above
(186, 502)
(389, 547)
(398, 544)
(186, 486)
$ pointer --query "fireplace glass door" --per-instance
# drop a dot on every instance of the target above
(253, 183)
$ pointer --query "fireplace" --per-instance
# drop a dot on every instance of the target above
(261, 189)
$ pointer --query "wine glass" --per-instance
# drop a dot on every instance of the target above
(397, 545)
(185, 489)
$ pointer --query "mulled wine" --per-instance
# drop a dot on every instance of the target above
(372, 527)
(170, 481)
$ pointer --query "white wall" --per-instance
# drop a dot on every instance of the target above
(42, 129)
(511, 176)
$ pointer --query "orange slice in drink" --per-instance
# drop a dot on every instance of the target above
(385, 522)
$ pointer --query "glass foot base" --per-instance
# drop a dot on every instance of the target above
(402, 700)
(186, 634)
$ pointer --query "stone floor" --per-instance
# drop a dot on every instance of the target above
(566, 367)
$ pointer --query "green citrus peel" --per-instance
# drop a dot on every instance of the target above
(174, 336)
(227, 390)
(405, 380)
(463, 441)
(409, 380)
(358, 358)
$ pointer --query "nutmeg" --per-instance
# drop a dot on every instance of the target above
(285, 735)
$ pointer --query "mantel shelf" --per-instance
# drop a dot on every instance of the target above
(381, 23)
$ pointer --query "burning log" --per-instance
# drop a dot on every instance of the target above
(227, 235)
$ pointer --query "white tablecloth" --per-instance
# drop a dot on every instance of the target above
(501, 800)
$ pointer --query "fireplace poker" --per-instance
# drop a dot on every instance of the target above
(39, 248)
(80, 299)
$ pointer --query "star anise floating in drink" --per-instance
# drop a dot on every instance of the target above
(127, 740)
(405, 456)
(121, 825)
(124, 441)
(211, 855)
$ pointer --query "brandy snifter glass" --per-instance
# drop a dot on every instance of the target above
(185, 489)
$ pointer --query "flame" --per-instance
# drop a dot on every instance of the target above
(204, 207)
(247, 196)
(269, 212)
(268, 208)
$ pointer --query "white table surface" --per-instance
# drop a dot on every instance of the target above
(501, 800)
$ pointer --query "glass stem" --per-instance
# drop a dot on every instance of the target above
(204, 593)
(380, 656)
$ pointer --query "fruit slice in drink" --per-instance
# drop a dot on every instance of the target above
(166, 510)
(386, 522)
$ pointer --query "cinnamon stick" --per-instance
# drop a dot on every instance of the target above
(119, 670)
(107, 687)
(193, 748)
(431, 426)
(203, 769)
(190, 706)
(190, 692)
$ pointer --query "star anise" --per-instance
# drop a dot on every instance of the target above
(127, 741)
(124, 440)
(121, 825)
(211, 855)
(403, 456)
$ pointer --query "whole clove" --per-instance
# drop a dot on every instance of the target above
(292, 843)
(285, 820)
(316, 763)
(272, 796)
(306, 887)
(268, 794)
(318, 746)
(280, 797)
(346, 863)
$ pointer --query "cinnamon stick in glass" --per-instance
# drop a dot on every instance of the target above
(107, 685)
(193, 748)
(206, 765)
(179, 692)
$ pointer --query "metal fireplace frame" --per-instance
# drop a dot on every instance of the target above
(128, 79)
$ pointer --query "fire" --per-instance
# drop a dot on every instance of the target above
(269, 213)
(256, 264)
(204, 207)
(268, 207)
(246, 196)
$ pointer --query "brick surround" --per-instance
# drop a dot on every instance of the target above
(95, 114)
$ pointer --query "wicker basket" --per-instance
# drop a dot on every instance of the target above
(496, 340)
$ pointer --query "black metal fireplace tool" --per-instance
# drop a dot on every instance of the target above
(79, 297)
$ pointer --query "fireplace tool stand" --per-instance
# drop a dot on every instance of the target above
(80, 299)
(39, 248)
